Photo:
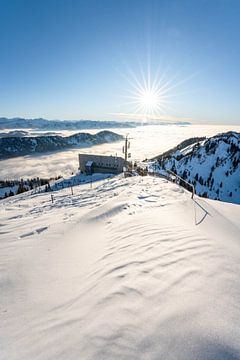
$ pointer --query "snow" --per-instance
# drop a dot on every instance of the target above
(126, 269)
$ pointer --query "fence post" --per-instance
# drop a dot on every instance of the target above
(193, 191)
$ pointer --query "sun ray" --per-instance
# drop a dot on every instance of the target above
(148, 94)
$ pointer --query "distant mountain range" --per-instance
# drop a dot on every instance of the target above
(212, 165)
(43, 124)
(18, 146)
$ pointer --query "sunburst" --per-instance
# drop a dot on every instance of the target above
(149, 97)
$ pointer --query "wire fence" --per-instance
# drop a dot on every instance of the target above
(180, 181)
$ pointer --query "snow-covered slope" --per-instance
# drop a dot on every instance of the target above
(211, 165)
(17, 146)
(129, 269)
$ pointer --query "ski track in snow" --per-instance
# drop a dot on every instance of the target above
(119, 271)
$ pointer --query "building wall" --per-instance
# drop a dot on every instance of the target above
(102, 164)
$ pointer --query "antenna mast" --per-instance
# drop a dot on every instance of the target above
(125, 149)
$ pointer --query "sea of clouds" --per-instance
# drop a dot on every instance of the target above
(146, 142)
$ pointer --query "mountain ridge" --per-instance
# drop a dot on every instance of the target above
(18, 146)
(41, 124)
(211, 165)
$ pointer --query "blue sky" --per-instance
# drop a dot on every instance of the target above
(70, 59)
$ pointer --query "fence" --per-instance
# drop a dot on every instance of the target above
(183, 183)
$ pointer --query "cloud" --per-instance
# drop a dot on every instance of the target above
(144, 117)
(156, 139)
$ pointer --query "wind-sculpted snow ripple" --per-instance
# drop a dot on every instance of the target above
(124, 278)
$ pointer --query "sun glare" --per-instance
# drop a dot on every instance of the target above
(149, 95)
(149, 99)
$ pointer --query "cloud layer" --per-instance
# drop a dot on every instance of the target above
(146, 142)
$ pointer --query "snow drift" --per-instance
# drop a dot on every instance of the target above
(130, 269)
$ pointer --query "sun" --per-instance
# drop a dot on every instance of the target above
(149, 99)
(148, 94)
(152, 92)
